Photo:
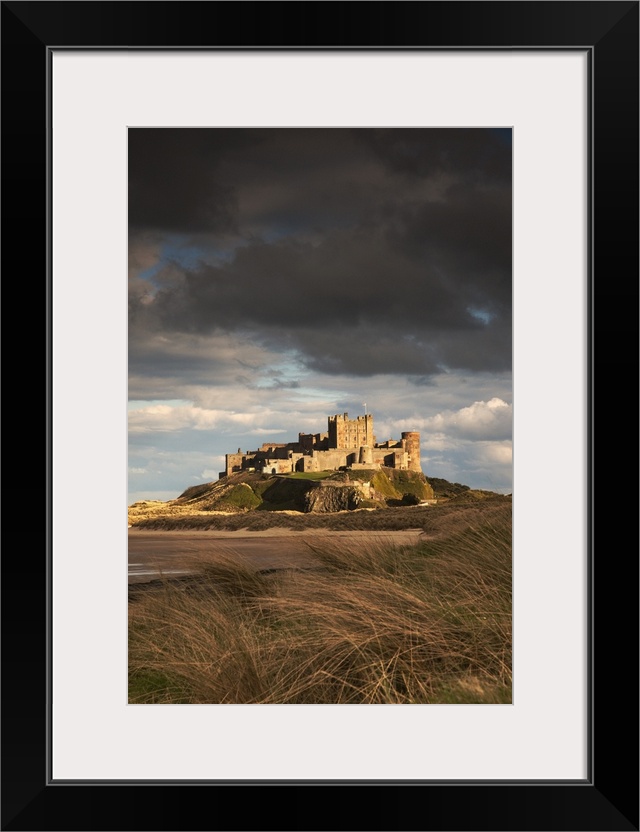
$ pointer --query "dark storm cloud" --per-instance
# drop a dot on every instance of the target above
(220, 181)
(471, 230)
(364, 251)
(209, 180)
(474, 155)
(174, 182)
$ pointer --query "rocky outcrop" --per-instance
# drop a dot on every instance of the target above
(332, 498)
(247, 491)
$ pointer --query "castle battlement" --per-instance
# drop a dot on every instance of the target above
(348, 443)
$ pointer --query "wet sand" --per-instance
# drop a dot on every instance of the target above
(174, 552)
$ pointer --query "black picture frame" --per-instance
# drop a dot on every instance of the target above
(608, 798)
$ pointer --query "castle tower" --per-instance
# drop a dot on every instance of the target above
(350, 433)
(411, 441)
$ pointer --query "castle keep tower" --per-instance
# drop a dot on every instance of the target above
(350, 433)
(411, 441)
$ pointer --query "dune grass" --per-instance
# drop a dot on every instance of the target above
(426, 624)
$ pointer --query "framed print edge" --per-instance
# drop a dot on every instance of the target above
(607, 799)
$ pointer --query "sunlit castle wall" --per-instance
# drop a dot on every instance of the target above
(411, 442)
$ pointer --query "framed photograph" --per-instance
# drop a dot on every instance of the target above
(560, 81)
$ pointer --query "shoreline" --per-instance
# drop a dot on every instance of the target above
(152, 553)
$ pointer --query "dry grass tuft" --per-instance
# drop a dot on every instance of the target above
(424, 624)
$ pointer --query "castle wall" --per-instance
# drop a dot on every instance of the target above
(309, 463)
(397, 459)
(313, 441)
(379, 456)
(348, 442)
(389, 443)
(277, 466)
(335, 458)
(390, 457)
(232, 463)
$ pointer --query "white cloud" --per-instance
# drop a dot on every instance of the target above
(481, 420)
(437, 442)
(209, 474)
(160, 417)
(495, 453)
(164, 417)
(267, 431)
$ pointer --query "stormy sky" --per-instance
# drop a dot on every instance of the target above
(278, 276)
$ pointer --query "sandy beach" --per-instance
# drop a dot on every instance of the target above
(177, 552)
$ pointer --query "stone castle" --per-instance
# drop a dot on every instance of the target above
(348, 443)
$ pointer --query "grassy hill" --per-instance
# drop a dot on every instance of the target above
(226, 503)
(445, 490)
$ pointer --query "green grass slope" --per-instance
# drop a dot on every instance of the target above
(247, 492)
